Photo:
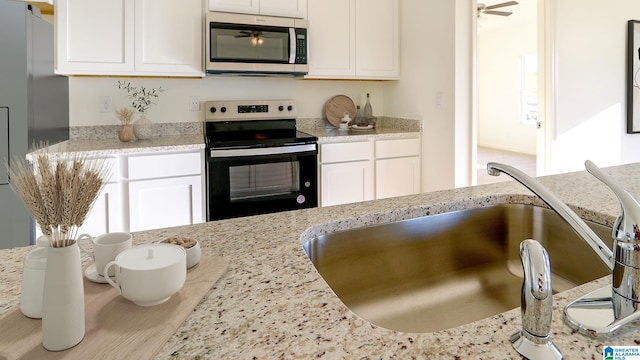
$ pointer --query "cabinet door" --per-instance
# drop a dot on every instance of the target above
(377, 39)
(237, 6)
(288, 8)
(168, 37)
(344, 183)
(161, 203)
(332, 50)
(397, 177)
(104, 216)
(94, 36)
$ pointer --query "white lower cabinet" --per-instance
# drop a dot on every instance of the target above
(105, 215)
(397, 167)
(397, 177)
(366, 170)
(345, 183)
(164, 190)
(149, 191)
(346, 172)
(161, 203)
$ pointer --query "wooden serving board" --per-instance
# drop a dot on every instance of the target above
(335, 108)
(115, 327)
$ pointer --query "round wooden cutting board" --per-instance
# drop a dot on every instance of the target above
(335, 108)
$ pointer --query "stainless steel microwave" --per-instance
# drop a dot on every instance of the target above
(253, 44)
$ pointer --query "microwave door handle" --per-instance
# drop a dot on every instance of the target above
(293, 47)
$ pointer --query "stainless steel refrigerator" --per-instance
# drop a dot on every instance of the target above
(34, 105)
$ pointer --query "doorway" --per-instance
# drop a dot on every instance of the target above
(507, 86)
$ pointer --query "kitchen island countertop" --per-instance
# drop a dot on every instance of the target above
(272, 303)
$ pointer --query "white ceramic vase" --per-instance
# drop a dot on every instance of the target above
(142, 127)
(63, 323)
(33, 271)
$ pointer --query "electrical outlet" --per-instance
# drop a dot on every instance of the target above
(194, 103)
(106, 104)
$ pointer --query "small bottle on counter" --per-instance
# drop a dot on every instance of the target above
(359, 120)
(368, 111)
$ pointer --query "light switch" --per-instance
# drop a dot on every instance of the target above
(439, 99)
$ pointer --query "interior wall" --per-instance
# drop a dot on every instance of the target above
(499, 52)
(173, 104)
(426, 90)
(465, 133)
(590, 115)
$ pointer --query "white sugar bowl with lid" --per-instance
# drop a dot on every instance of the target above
(149, 274)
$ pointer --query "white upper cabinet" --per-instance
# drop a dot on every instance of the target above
(168, 36)
(354, 39)
(286, 8)
(332, 29)
(92, 36)
(236, 6)
(129, 37)
(377, 39)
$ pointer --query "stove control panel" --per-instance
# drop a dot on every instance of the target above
(250, 110)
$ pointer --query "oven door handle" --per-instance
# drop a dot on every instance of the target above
(226, 153)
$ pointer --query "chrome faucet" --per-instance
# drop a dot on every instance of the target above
(606, 312)
(533, 341)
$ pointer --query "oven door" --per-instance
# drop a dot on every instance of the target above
(243, 182)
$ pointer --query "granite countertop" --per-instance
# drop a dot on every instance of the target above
(332, 134)
(107, 147)
(113, 146)
(272, 303)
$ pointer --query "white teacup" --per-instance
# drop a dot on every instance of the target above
(106, 247)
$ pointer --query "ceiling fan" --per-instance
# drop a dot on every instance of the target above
(484, 9)
(257, 37)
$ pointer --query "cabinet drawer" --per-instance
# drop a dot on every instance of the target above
(164, 165)
(397, 148)
(341, 152)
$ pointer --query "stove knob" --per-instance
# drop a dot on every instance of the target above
(290, 107)
(301, 199)
(213, 109)
(281, 108)
(223, 109)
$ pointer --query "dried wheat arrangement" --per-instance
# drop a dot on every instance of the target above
(125, 115)
(58, 190)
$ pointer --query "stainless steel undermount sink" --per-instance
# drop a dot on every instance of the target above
(442, 271)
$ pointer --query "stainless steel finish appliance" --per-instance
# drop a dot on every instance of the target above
(256, 160)
(34, 105)
(250, 44)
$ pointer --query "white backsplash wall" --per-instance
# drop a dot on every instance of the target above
(172, 106)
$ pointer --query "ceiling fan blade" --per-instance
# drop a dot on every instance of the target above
(508, 3)
(501, 13)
